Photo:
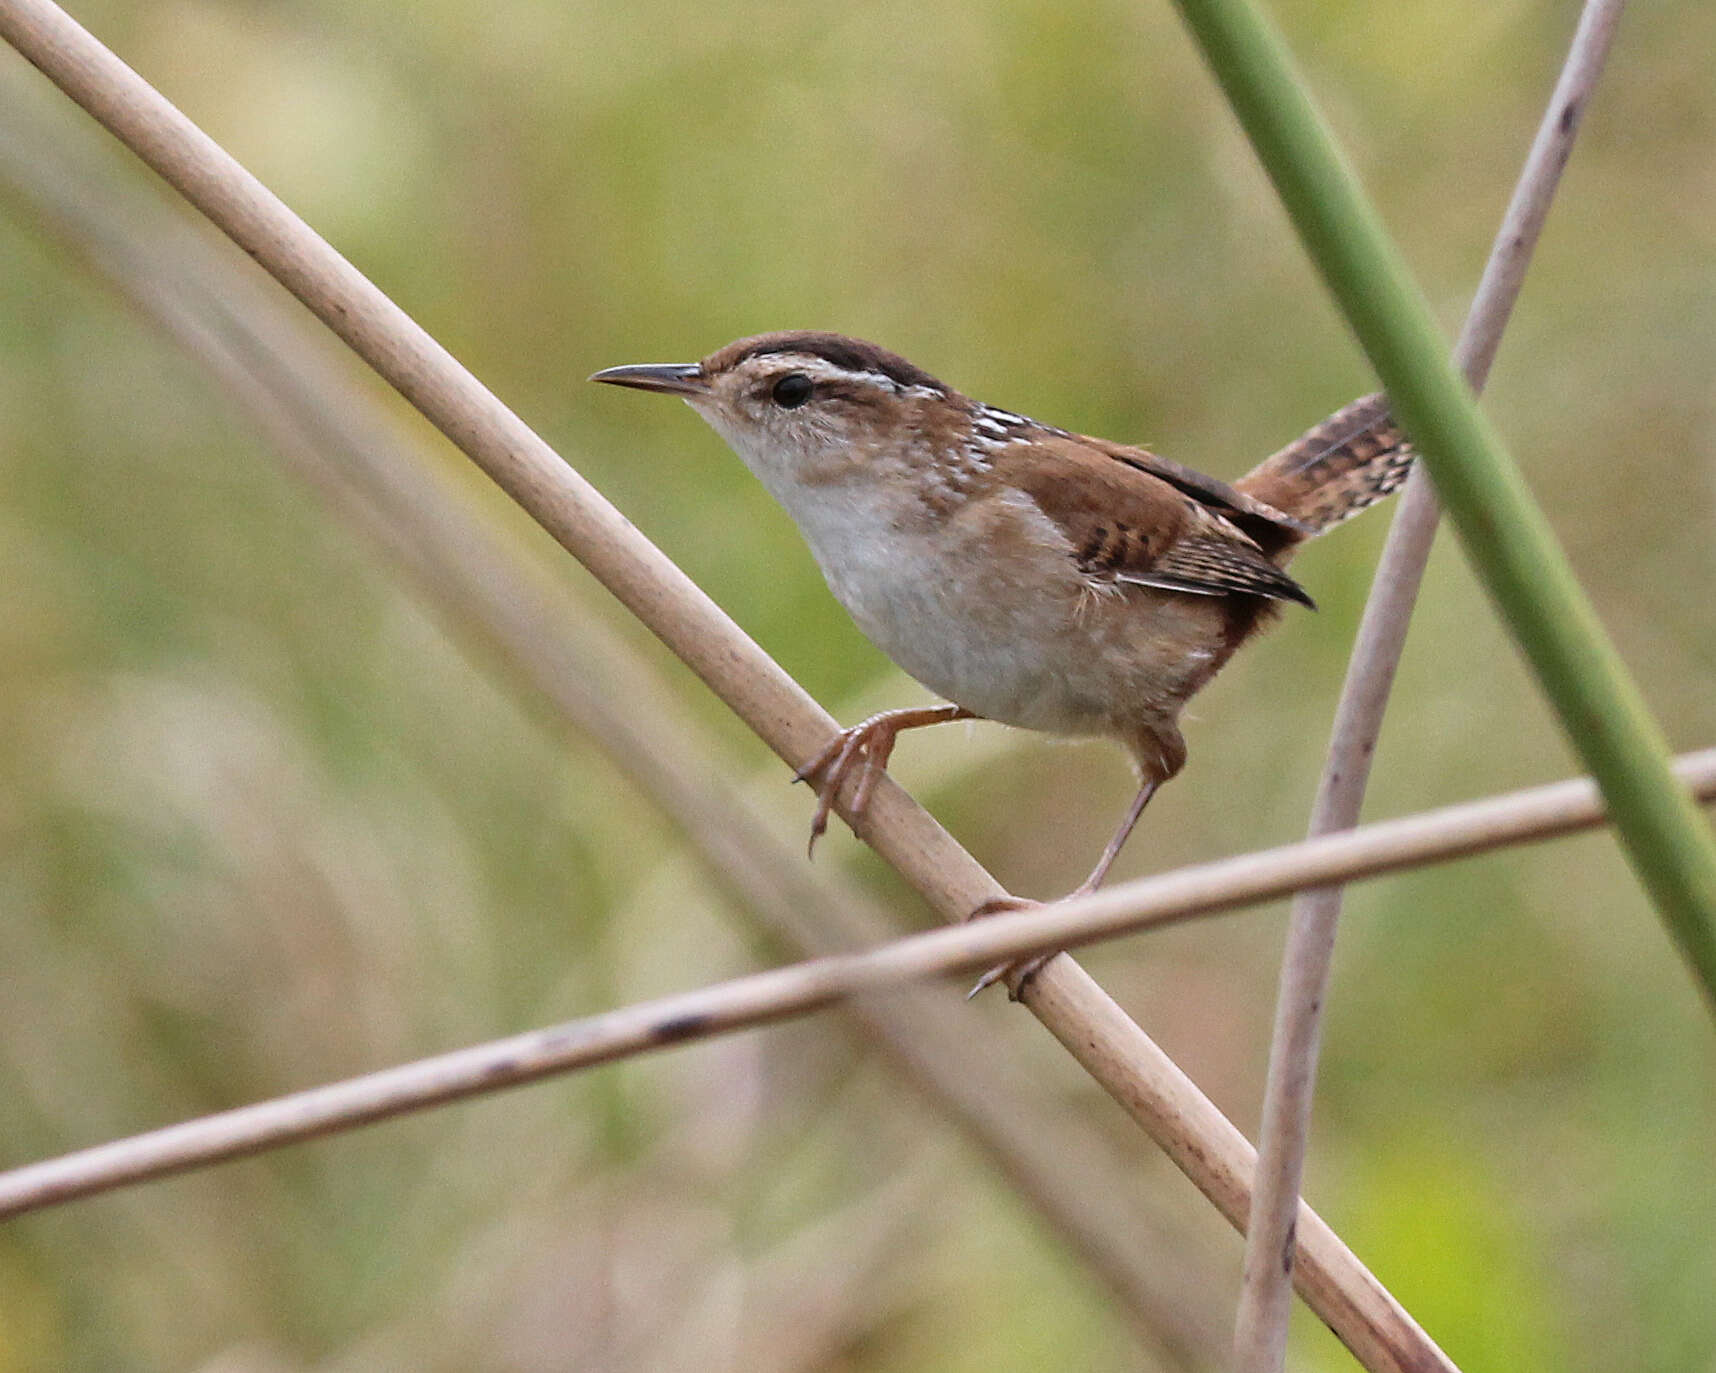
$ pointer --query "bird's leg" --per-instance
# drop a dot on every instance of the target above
(1028, 967)
(866, 745)
(1121, 835)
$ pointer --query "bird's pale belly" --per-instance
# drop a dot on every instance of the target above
(1058, 658)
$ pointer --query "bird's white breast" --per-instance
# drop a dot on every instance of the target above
(929, 597)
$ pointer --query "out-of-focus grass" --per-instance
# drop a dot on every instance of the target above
(261, 824)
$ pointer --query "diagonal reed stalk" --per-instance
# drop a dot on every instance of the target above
(1504, 533)
(1265, 1300)
(1123, 1060)
(764, 998)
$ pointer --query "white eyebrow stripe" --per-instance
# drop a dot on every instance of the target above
(821, 369)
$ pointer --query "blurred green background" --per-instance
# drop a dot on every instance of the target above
(264, 823)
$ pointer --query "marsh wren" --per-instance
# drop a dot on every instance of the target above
(1029, 575)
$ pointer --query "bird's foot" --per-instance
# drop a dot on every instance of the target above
(1020, 971)
(866, 747)
(1029, 967)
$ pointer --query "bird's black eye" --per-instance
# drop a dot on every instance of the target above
(792, 390)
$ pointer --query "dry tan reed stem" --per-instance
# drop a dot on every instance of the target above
(1116, 1052)
(1537, 813)
(1265, 1301)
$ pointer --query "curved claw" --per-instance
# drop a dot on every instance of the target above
(822, 759)
(835, 762)
(1026, 968)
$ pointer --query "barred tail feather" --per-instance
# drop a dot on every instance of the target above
(1348, 462)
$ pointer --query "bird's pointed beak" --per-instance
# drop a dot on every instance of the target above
(671, 378)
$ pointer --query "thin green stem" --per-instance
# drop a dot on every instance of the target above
(1505, 534)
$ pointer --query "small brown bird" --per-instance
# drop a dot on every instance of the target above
(1027, 574)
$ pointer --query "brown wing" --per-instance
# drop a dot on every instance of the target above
(1251, 514)
(1127, 524)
